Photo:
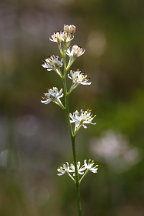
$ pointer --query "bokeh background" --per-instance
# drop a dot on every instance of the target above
(34, 139)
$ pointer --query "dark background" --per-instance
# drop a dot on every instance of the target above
(34, 139)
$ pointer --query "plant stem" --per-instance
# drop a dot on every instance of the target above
(77, 177)
(72, 139)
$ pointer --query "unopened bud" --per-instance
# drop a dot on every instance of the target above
(70, 29)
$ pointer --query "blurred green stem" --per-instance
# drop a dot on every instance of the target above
(72, 138)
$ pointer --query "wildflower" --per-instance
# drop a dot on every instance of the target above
(53, 95)
(53, 63)
(59, 37)
(78, 78)
(75, 51)
(69, 29)
(80, 168)
(81, 119)
(65, 168)
(90, 166)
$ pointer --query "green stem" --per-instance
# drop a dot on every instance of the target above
(77, 177)
(71, 177)
(72, 138)
(83, 176)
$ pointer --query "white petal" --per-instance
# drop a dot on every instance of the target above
(46, 101)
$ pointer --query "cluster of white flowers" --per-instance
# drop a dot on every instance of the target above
(59, 37)
(64, 36)
(53, 95)
(52, 63)
(75, 51)
(78, 78)
(82, 169)
(80, 119)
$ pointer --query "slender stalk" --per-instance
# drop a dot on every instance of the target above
(83, 176)
(77, 177)
(72, 138)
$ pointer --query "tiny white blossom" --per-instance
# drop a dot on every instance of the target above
(69, 29)
(59, 37)
(80, 168)
(65, 168)
(90, 166)
(78, 78)
(53, 95)
(81, 119)
(75, 51)
(70, 169)
(52, 63)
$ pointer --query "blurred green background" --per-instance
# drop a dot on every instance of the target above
(34, 139)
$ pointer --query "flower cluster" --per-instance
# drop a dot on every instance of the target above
(53, 63)
(75, 51)
(59, 37)
(53, 95)
(78, 78)
(64, 36)
(69, 169)
(81, 119)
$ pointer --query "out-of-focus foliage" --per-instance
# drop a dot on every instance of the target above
(33, 137)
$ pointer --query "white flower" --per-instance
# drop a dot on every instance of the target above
(80, 168)
(69, 29)
(59, 37)
(78, 78)
(90, 166)
(75, 51)
(65, 168)
(52, 63)
(81, 119)
(53, 95)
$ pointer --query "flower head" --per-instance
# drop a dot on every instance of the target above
(80, 168)
(90, 166)
(59, 37)
(52, 63)
(70, 29)
(75, 51)
(53, 95)
(65, 168)
(78, 78)
(81, 119)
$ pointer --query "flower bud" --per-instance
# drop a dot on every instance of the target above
(70, 29)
